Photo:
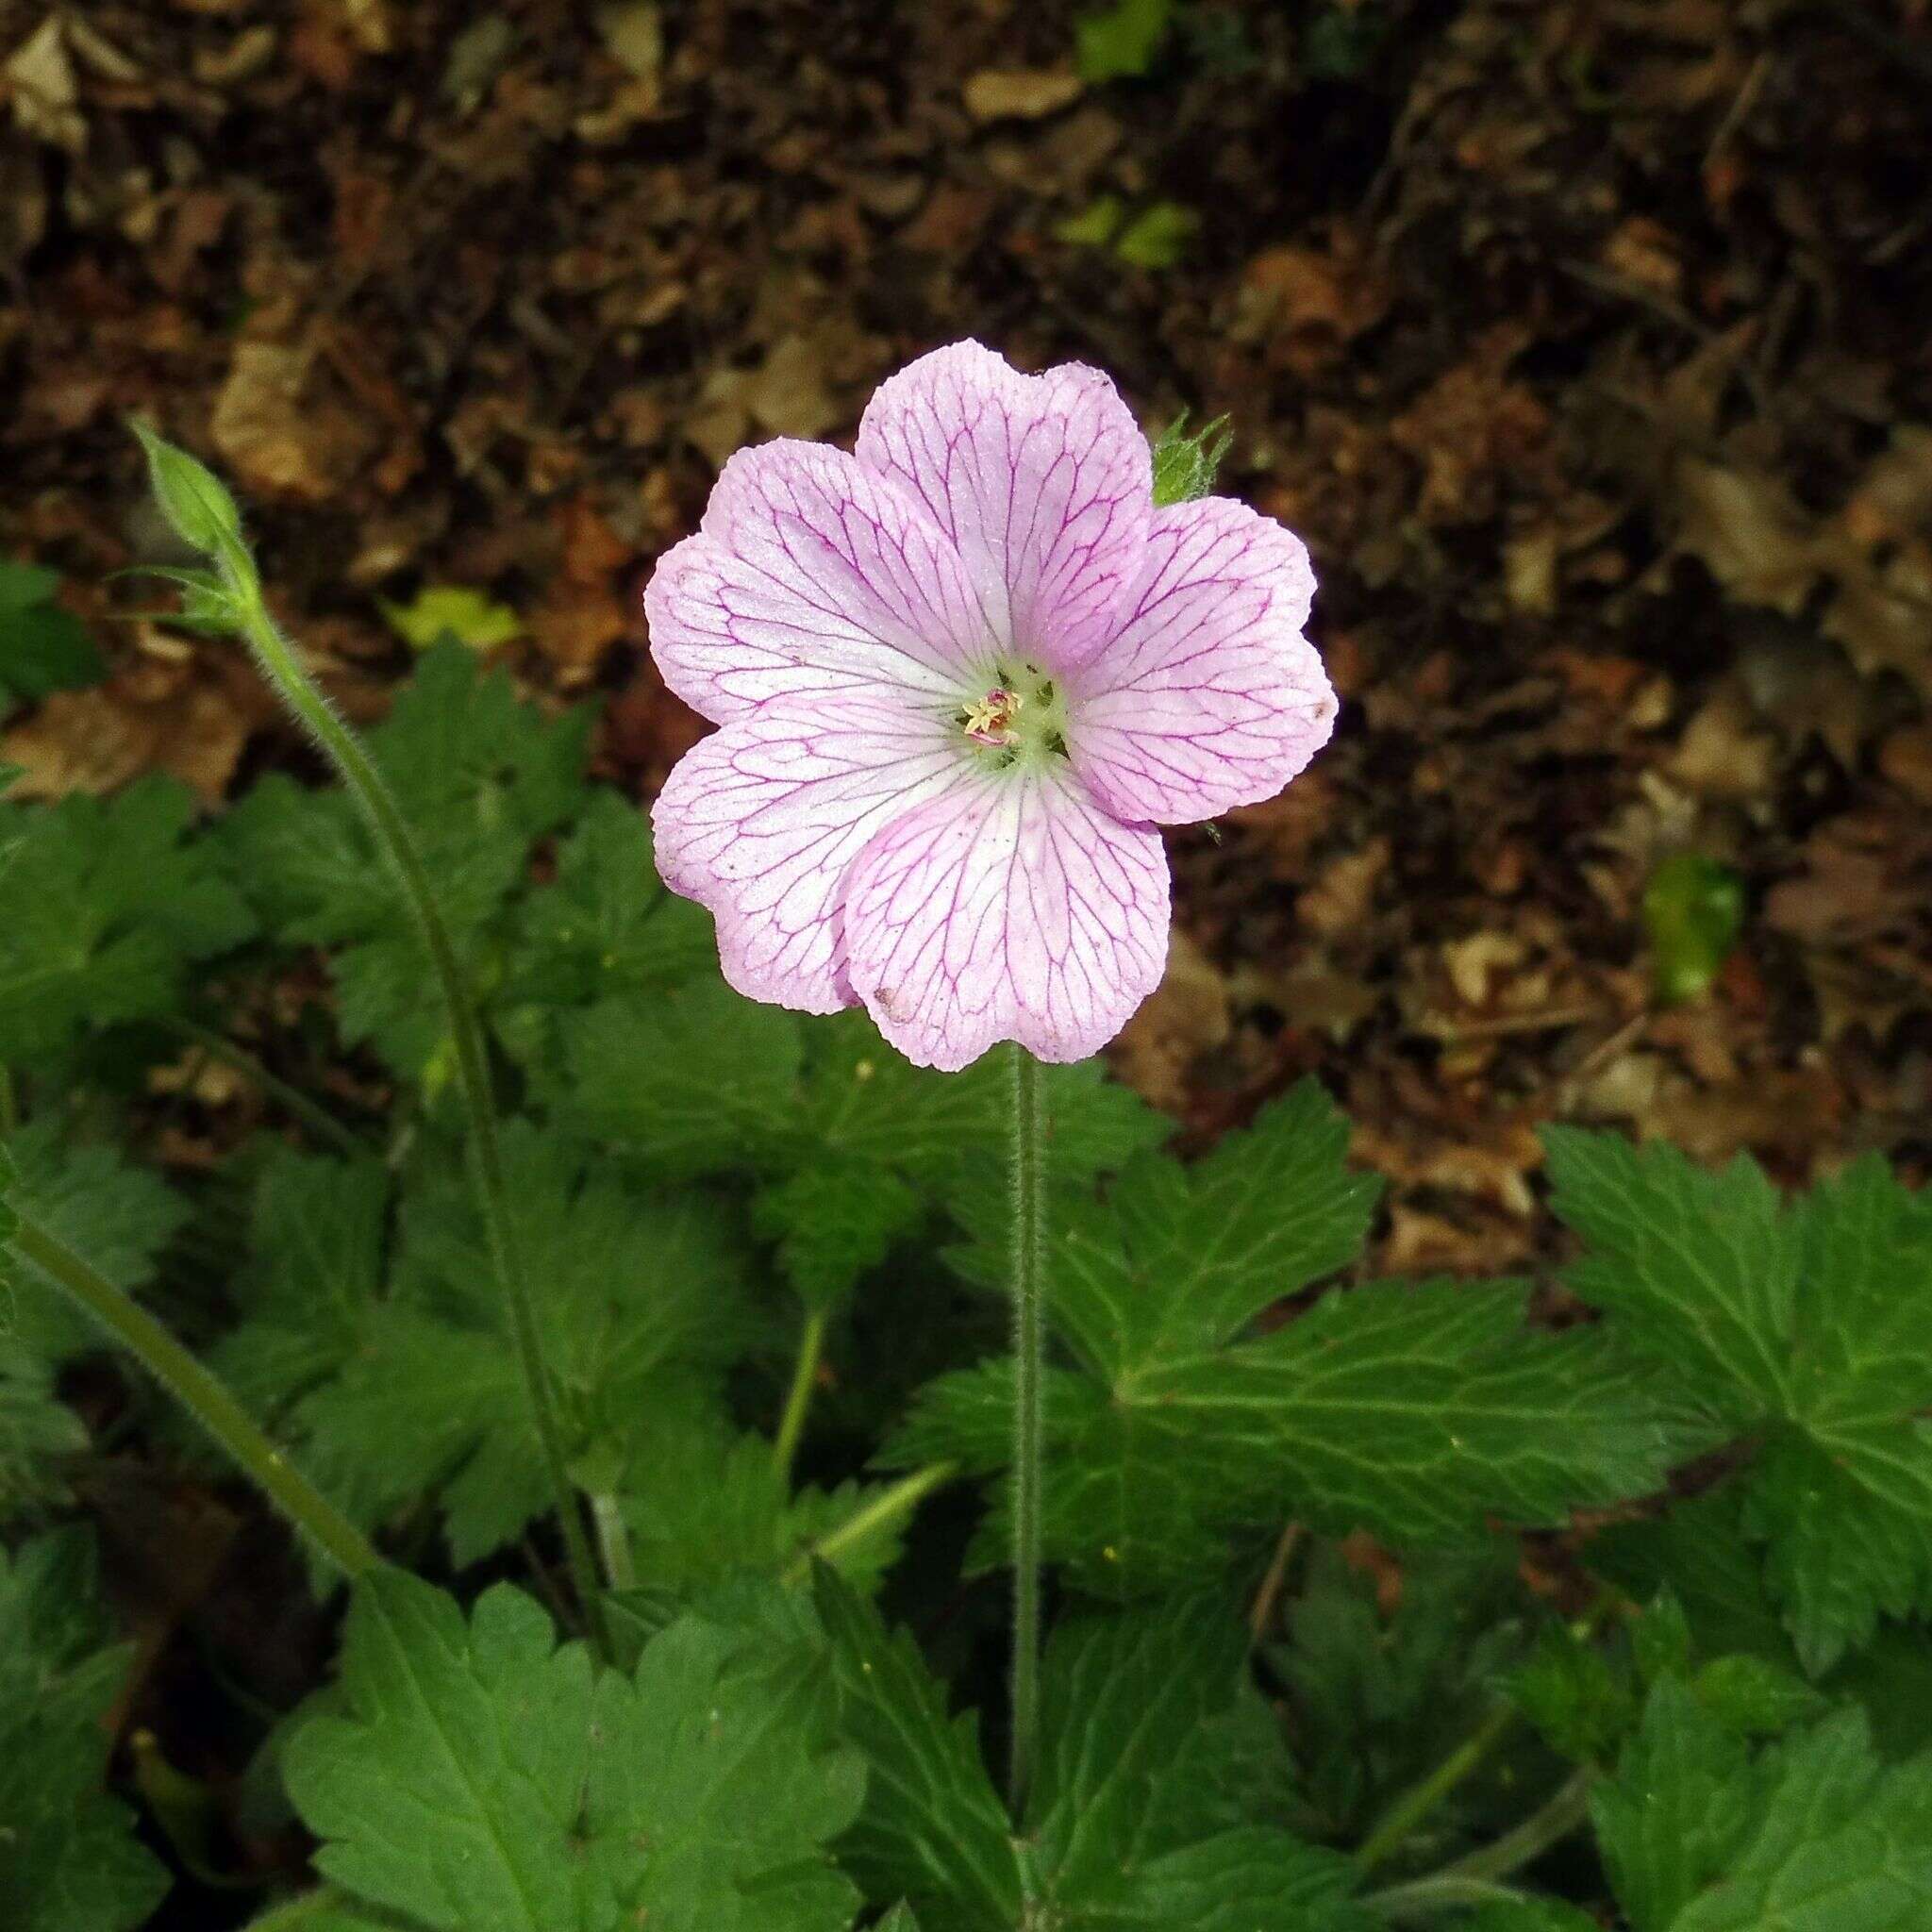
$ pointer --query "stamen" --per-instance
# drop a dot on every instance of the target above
(991, 720)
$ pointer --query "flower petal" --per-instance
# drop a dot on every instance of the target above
(762, 820)
(1015, 909)
(1043, 482)
(810, 572)
(1210, 696)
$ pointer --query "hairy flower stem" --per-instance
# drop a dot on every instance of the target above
(805, 1379)
(1028, 1233)
(366, 785)
(204, 1398)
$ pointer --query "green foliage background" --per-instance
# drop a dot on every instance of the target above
(1729, 1431)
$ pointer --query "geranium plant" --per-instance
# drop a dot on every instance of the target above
(644, 1366)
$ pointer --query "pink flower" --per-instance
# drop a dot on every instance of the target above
(960, 675)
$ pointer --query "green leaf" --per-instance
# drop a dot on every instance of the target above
(117, 1218)
(313, 1277)
(1698, 1268)
(1146, 1810)
(1587, 1699)
(1153, 237)
(442, 611)
(1119, 42)
(705, 1502)
(832, 1223)
(1660, 1638)
(1377, 1698)
(69, 1860)
(323, 1909)
(932, 1830)
(1891, 1680)
(480, 776)
(864, 1103)
(696, 1081)
(1418, 1412)
(1567, 1688)
(641, 1309)
(605, 928)
(24, 585)
(1678, 1810)
(1183, 1258)
(1693, 908)
(43, 648)
(1095, 225)
(1159, 236)
(1811, 1835)
(107, 908)
(700, 1081)
(1756, 1697)
(1700, 1550)
(484, 1779)
(1805, 1327)
(1697, 1550)
(468, 757)
(37, 1429)
(1185, 464)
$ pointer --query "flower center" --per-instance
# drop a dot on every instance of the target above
(1021, 718)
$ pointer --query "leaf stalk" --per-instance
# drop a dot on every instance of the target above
(203, 1395)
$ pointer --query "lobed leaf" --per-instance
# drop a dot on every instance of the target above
(487, 1780)
(1804, 1327)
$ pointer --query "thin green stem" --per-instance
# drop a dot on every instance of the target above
(805, 1379)
(896, 1501)
(1473, 1879)
(366, 785)
(206, 1399)
(1543, 1828)
(9, 1103)
(1415, 1804)
(1028, 1233)
(613, 1539)
(1426, 1897)
(319, 1122)
(1409, 1810)
(1270, 1592)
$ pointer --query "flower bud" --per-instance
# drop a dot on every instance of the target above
(1184, 465)
(194, 501)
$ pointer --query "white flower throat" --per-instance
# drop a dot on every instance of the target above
(1021, 719)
